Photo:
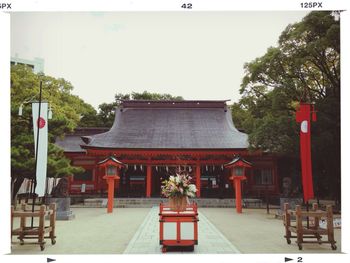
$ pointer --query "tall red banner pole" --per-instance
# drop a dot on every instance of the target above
(303, 117)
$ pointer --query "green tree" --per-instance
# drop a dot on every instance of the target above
(67, 109)
(305, 66)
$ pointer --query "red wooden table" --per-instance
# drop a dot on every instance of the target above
(178, 228)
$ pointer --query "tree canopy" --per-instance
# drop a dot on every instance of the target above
(67, 111)
(304, 67)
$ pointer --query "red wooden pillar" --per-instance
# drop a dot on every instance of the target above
(149, 181)
(70, 180)
(198, 179)
(94, 178)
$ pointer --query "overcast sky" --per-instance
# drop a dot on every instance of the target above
(197, 55)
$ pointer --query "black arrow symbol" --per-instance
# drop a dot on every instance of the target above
(287, 259)
(50, 259)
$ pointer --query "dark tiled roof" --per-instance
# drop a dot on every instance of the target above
(71, 142)
(144, 126)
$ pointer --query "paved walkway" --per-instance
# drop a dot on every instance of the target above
(210, 239)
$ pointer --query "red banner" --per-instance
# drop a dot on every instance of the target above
(303, 117)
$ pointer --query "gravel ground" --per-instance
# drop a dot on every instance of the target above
(255, 231)
(93, 231)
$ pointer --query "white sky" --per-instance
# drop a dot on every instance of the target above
(198, 55)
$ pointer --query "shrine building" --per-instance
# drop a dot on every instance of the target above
(153, 138)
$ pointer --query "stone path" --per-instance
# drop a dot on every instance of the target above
(210, 239)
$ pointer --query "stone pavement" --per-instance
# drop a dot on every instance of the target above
(210, 239)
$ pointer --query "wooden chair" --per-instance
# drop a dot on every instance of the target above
(313, 231)
(36, 232)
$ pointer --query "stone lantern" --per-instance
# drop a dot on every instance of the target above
(238, 168)
(112, 167)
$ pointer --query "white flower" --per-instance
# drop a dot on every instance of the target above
(190, 194)
(192, 188)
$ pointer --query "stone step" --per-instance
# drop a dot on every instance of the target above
(150, 202)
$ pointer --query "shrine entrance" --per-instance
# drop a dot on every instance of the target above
(197, 135)
(161, 173)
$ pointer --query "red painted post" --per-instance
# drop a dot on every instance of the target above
(198, 179)
(237, 182)
(149, 181)
(110, 182)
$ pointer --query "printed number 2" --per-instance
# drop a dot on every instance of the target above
(187, 6)
(300, 259)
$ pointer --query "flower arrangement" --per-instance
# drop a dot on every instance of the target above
(178, 185)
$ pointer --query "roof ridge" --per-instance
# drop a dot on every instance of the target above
(173, 104)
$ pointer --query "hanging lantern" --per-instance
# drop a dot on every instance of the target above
(213, 168)
(206, 168)
(157, 168)
(135, 167)
(141, 167)
(166, 168)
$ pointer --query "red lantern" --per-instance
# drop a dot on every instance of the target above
(111, 165)
(238, 166)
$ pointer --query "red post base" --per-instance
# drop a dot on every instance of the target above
(236, 180)
(110, 195)
(237, 183)
(110, 181)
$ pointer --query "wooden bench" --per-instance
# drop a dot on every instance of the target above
(313, 231)
(36, 232)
